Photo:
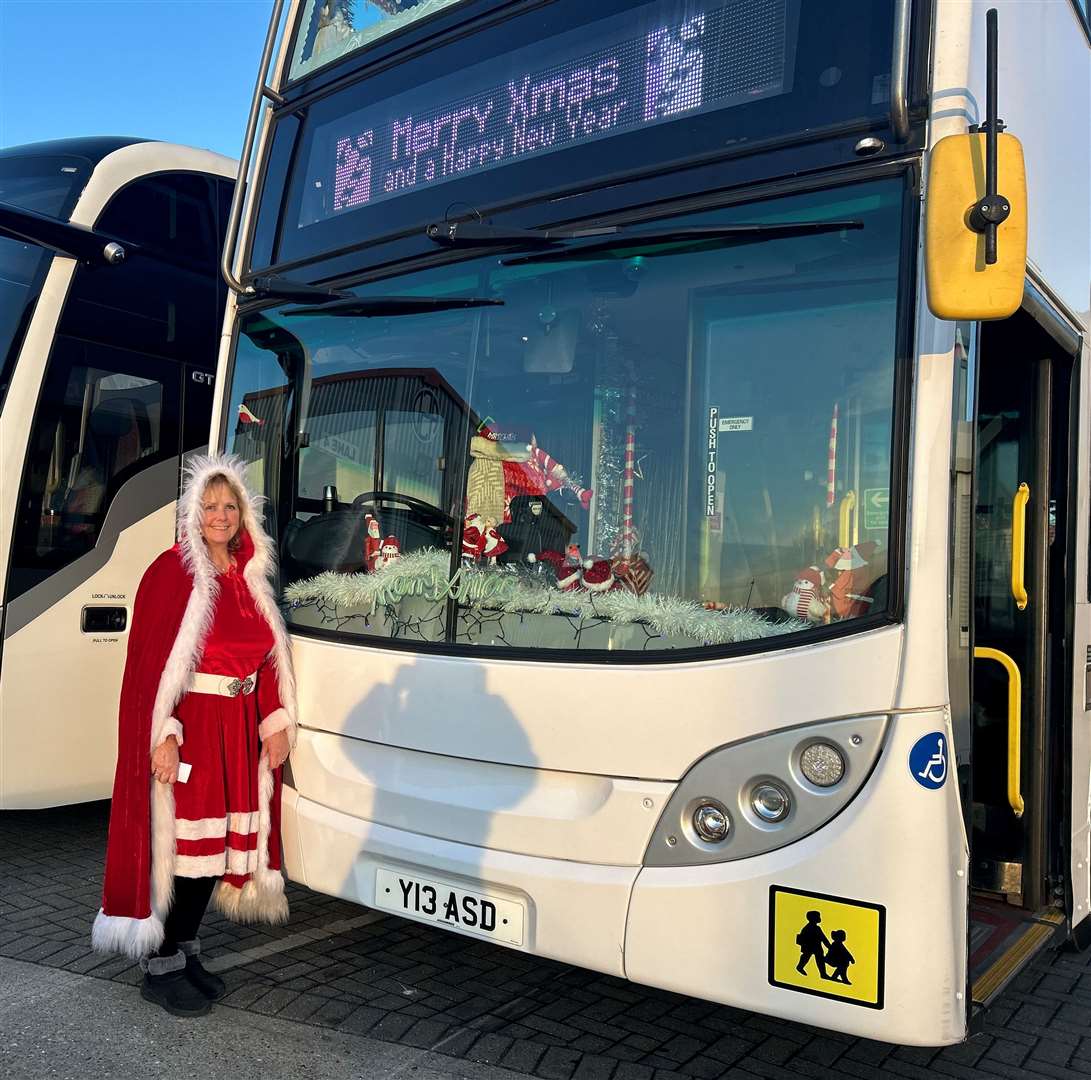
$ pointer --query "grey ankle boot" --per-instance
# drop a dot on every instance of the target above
(167, 985)
(212, 986)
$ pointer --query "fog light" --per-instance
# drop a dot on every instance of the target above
(770, 802)
(711, 823)
(822, 764)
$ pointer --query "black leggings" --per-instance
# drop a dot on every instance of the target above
(191, 897)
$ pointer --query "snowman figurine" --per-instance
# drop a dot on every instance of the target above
(805, 600)
(389, 553)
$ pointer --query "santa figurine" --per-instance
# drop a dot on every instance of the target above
(566, 569)
(472, 538)
(805, 600)
(481, 540)
(372, 543)
(492, 543)
(389, 553)
(597, 577)
(848, 594)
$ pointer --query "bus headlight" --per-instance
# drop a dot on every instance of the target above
(765, 792)
(710, 822)
(822, 764)
(770, 802)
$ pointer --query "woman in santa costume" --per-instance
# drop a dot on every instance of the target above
(207, 718)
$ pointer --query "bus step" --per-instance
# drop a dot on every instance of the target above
(1003, 940)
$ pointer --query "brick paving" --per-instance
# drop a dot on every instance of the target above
(337, 966)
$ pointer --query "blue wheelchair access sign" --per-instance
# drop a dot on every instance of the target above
(928, 760)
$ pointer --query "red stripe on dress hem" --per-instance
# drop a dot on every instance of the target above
(217, 845)
(214, 845)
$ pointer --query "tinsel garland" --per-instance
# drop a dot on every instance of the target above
(425, 574)
(416, 573)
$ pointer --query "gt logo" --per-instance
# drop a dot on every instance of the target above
(205, 377)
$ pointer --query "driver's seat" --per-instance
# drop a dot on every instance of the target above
(334, 540)
(329, 541)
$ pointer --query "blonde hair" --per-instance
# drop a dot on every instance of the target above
(222, 479)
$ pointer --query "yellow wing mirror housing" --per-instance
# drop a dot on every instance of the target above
(961, 284)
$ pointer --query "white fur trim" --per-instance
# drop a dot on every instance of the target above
(172, 726)
(229, 861)
(216, 828)
(132, 937)
(162, 883)
(598, 586)
(274, 722)
(262, 898)
(242, 823)
(181, 662)
(206, 828)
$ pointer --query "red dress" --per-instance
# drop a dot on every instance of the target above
(216, 810)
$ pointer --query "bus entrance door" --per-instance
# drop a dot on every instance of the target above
(1019, 717)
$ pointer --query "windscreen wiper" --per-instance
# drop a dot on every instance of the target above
(370, 307)
(477, 234)
(278, 288)
(621, 241)
(75, 241)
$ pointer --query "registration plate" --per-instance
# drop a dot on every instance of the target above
(430, 900)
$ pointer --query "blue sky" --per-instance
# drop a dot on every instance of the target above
(179, 70)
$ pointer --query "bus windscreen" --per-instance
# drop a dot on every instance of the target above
(659, 62)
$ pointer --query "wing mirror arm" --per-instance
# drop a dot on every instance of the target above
(992, 210)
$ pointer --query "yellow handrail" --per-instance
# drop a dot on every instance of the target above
(1019, 545)
(1015, 720)
(848, 505)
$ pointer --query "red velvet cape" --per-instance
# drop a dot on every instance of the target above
(157, 615)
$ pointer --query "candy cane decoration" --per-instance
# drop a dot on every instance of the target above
(585, 495)
(628, 537)
(831, 463)
(555, 475)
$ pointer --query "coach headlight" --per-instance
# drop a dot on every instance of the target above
(766, 792)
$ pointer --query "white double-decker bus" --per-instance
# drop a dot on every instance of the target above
(674, 425)
(110, 308)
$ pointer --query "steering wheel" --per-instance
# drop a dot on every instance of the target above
(426, 512)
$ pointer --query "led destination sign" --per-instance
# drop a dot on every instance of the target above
(657, 63)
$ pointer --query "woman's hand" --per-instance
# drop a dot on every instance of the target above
(165, 761)
(275, 749)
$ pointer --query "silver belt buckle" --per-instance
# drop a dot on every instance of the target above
(240, 686)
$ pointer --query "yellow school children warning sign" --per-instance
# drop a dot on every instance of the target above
(830, 946)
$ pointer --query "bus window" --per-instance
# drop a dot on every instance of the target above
(163, 299)
(332, 28)
(104, 416)
(47, 185)
(173, 214)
